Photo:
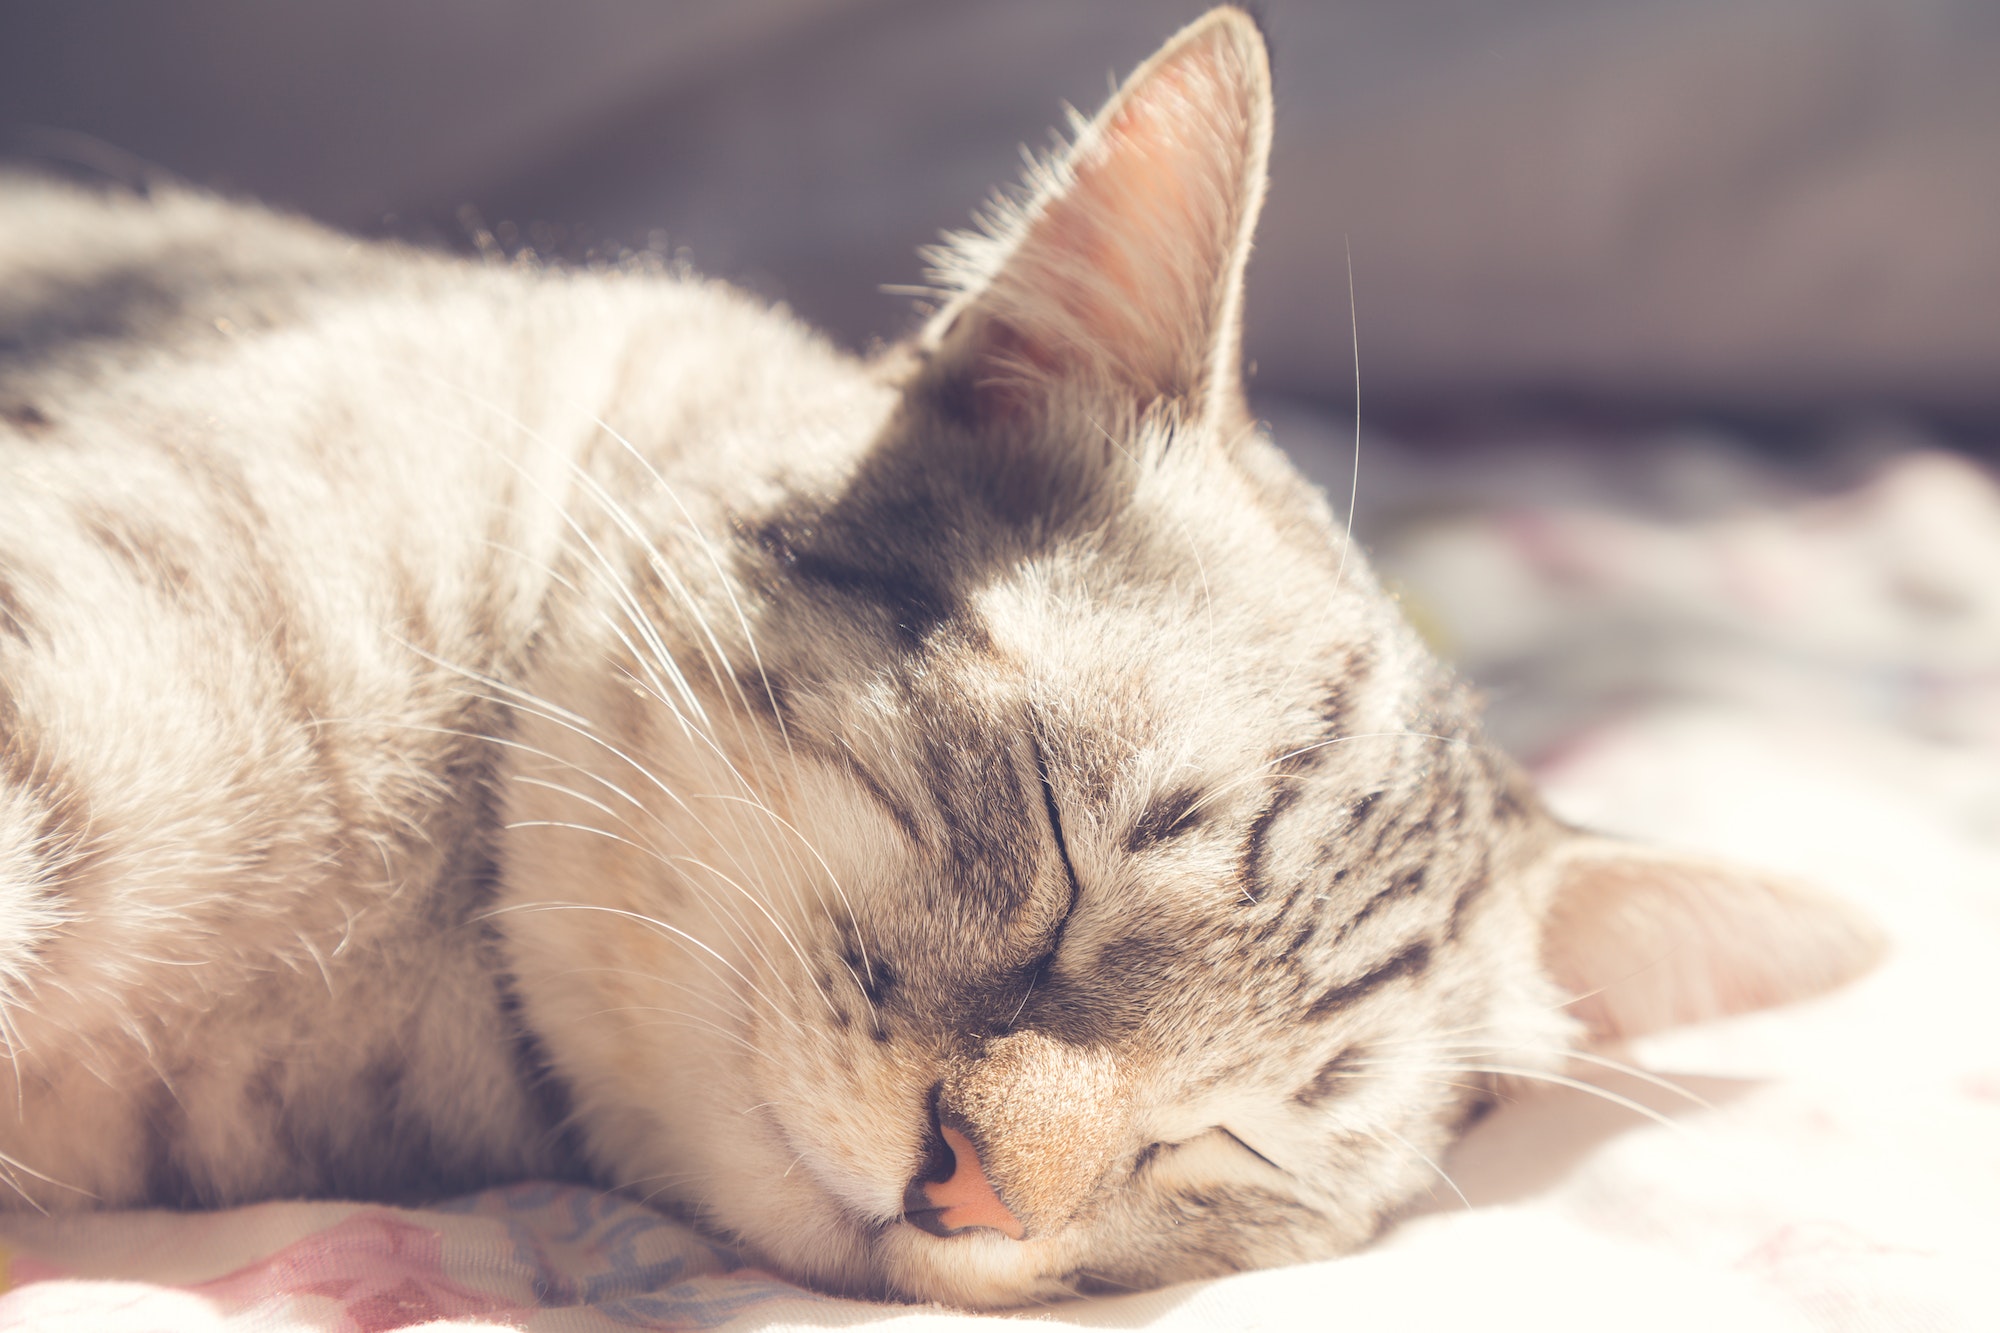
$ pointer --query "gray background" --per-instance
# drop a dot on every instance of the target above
(1774, 207)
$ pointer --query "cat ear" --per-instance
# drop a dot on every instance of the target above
(1647, 939)
(1123, 271)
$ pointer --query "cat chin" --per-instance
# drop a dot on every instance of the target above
(803, 1229)
(807, 1227)
(980, 1270)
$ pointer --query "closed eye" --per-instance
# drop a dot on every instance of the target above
(1237, 1139)
(1147, 1155)
(1056, 828)
(1039, 968)
(1152, 1152)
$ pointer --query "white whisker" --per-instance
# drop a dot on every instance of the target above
(1578, 1085)
(1417, 1153)
(1354, 485)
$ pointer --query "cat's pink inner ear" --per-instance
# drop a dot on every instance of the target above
(1126, 269)
(1645, 940)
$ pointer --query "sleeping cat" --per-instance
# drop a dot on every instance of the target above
(962, 825)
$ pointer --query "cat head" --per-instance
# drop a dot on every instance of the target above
(1045, 860)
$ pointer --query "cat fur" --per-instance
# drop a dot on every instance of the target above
(465, 721)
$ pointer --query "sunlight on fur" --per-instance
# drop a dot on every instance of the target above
(963, 825)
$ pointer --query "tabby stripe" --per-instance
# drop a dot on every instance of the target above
(1468, 894)
(1254, 850)
(916, 606)
(1404, 884)
(1166, 818)
(1412, 959)
(1331, 1078)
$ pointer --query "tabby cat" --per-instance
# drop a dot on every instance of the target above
(961, 824)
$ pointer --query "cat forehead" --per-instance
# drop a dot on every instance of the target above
(1086, 541)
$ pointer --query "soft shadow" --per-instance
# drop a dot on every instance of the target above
(1537, 1135)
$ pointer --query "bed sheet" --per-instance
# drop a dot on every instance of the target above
(1810, 682)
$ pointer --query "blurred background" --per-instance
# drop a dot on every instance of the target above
(1677, 261)
(1761, 207)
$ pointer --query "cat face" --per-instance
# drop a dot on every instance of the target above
(1178, 876)
(1030, 854)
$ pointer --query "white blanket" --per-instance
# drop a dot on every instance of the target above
(1812, 683)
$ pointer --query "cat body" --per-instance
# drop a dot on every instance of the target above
(963, 824)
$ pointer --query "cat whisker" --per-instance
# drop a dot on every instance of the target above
(736, 773)
(714, 657)
(512, 744)
(651, 923)
(621, 595)
(783, 934)
(715, 1002)
(1418, 1153)
(1103, 1278)
(9, 1165)
(656, 979)
(670, 1179)
(528, 780)
(724, 675)
(1354, 485)
(1578, 1085)
(489, 681)
(1644, 1076)
(679, 1016)
(641, 769)
(832, 878)
(727, 584)
(678, 861)
(1617, 1066)
(1362, 1067)
(723, 906)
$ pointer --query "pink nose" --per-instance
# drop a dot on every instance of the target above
(965, 1198)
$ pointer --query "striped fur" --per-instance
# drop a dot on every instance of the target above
(460, 722)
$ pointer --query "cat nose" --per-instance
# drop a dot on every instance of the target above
(1023, 1132)
(952, 1194)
